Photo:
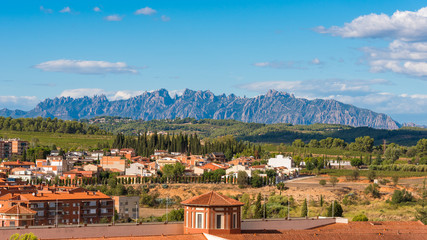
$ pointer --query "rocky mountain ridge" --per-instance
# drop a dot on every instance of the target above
(273, 107)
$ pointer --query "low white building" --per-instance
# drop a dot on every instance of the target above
(281, 161)
(237, 168)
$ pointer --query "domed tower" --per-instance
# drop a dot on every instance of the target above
(212, 213)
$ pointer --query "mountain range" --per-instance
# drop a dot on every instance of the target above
(272, 107)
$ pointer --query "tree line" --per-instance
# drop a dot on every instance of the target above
(145, 144)
(55, 125)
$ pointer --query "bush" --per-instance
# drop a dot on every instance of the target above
(371, 175)
(401, 197)
(322, 182)
(373, 190)
(333, 181)
(165, 186)
(395, 179)
(360, 218)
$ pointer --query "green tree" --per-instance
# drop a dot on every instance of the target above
(281, 186)
(258, 207)
(256, 180)
(338, 211)
(304, 209)
(298, 143)
(242, 178)
(395, 179)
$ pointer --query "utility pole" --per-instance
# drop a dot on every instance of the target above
(288, 208)
(78, 220)
(308, 200)
(333, 209)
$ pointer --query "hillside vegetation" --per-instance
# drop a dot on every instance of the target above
(259, 132)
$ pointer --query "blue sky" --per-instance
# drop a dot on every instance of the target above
(371, 54)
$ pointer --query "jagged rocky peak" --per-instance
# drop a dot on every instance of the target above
(273, 107)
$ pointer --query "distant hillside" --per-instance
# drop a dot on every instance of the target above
(273, 107)
(258, 132)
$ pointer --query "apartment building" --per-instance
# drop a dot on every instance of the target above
(18, 164)
(110, 163)
(54, 208)
(11, 147)
(127, 207)
(55, 165)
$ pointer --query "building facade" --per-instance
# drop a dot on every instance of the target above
(212, 213)
(127, 207)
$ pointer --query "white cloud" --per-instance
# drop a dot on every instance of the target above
(65, 10)
(405, 25)
(113, 18)
(165, 18)
(45, 10)
(315, 61)
(310, 88)
(18, 102)
(90, 92)
(97, 9)
(407, 51)
(401, 57)
(81, 92)
(85, 67)
(280, 65)
(111, 95)
(145, 11)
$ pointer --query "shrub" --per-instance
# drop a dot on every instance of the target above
(373, 190)
(395, 179)
(333, 181)
(360, 218)
(401, 196)
(371, 175)
(322, 182)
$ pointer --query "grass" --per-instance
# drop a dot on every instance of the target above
(63, 140)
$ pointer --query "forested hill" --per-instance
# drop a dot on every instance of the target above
(272, 107)
(48, 125)
(258, 132)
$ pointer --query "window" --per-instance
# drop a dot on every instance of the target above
(104, 210)
(92, 203)
(52, 204)
(219, 221)
(40, 205)
(199, 220)
(40, 213)
(12, 223)
(186, 218)
(92, 211)
(234, 220)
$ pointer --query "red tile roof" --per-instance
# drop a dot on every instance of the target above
(16, 209)
(211, 199)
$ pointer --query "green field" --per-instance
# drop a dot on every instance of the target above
(63, 140)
